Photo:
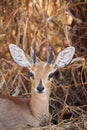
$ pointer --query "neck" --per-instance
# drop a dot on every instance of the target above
(40, 106)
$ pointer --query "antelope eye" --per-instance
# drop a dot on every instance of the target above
(50, 76)
(31, 75)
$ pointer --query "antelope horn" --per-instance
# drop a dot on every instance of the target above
(51, 55)
(34, 53)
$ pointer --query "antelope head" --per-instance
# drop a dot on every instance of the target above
(41, 73)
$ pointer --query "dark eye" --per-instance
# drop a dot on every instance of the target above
(50, 76)
(31, 75)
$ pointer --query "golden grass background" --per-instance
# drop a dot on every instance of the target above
(59, 23)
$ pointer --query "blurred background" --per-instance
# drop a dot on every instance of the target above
(56, 23)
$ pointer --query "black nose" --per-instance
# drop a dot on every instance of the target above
(40, 87)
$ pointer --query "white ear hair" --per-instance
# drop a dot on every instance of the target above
(19, 55)
(64, 57)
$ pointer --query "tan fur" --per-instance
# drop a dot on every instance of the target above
(17, 113)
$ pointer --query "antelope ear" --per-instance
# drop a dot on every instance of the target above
(19, 56)
(64, 57)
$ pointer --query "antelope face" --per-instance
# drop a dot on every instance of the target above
(41, 75)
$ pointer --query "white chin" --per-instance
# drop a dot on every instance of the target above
(43, 92)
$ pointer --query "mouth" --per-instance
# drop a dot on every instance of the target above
(40, 92)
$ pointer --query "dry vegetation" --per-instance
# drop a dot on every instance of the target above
(58, 23)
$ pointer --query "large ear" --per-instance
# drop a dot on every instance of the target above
(19, 55)
(64, 57)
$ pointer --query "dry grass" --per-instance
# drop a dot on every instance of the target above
(57, 23)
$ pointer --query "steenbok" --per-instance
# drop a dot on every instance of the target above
(17, 112)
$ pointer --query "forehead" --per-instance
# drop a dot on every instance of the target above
(41, 67)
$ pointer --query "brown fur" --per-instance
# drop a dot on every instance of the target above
(18, 112)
